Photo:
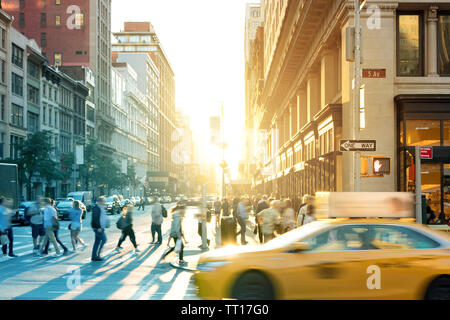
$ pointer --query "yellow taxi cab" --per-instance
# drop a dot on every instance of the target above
(348, 258)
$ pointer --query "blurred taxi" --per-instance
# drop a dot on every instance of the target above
(350, 258)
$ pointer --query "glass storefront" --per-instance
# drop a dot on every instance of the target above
(435, 173)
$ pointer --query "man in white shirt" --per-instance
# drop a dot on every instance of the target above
(50, 216)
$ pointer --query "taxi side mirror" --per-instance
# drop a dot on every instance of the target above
(299, 247)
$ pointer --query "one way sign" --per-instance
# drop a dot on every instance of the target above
(358, 145)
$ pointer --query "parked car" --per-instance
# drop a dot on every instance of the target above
(84, 196)
(63, 209)
(113, 205)
(125, 202)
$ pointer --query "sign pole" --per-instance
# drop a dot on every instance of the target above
(418, 186)
(356, 97)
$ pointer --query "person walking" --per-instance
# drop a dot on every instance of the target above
(75, 226)
(99, 223)
(234, 205)
(125, 223)
(6, 230)
(142, 204)
(262, 205)
(157, 220)
(308, 217)
(55, 232)
(288, 216)
(37, 225)
(307, 200)
(242, 216)
(270, 219)
(225, 207)
(176, 233)
(50, 224)
(217, 209)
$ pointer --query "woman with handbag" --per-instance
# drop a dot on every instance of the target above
(50, 224)
(176, 233)
(76, 225)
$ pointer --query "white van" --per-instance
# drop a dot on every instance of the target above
(84, 196)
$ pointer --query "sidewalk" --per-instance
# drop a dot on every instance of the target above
(193, 250)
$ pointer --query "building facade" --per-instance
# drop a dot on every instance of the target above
(132, 117)
(73, 34)
(141, 37)
(304, 99)
(5, 61)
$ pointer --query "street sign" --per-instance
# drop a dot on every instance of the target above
(426, 153)
(358, 145)
(374, 73)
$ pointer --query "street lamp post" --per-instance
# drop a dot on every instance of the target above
(356, 95)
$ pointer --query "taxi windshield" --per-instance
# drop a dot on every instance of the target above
(296, 235)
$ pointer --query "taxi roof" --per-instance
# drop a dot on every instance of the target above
(406, 221)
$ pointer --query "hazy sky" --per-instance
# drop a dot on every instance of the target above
(204, 41)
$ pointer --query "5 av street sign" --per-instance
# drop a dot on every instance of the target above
(358, 145)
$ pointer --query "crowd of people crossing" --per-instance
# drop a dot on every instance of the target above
(272, 218)
(273, 215)
(45, 227)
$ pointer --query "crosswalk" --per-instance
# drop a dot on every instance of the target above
(29, 274)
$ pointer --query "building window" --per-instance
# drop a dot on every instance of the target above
(17, 56)
(16, 115)
(33, 94)
(43, 39)
(43, 19)
(444, 44)
(57, 20)
(410, 44)
(3, 107)
(21, 3)
(14, 144)
(58, 59)
(17, 84)
(33, 69)
(3, 72)
(3, 38)
(58, 2)
(22, 19)
(33, 122)
(43, 3)
(44, 114)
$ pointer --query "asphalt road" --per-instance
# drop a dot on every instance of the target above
(121, 275)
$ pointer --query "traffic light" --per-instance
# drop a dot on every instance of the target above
(381, 166)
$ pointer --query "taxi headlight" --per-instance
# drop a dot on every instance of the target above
(211, 266)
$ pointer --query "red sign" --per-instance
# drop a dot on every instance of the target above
(374, 73)
(426, 152)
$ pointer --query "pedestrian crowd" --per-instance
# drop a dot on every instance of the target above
(45, 227)
(273, 215)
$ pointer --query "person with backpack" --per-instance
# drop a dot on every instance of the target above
(159, 212)
(125, 224)
(75, 226)
(176, 233)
